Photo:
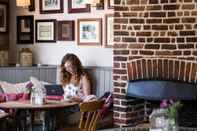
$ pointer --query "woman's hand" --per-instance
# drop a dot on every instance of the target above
(76, 98)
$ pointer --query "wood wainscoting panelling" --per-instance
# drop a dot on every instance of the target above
(23, 74)
(101, 78)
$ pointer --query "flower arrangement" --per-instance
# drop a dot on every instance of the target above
(172, 108)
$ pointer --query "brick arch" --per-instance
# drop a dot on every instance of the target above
(163, 69)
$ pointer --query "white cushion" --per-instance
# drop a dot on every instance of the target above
(13, 88)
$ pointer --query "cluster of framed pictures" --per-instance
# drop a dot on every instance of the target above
(74, 6)
(89, 31)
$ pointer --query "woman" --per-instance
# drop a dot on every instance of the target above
(76, 84)
(74, 79)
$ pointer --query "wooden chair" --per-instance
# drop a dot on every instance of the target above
(89, 116)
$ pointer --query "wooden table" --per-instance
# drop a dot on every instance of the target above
(3, 115)
(24, 106)
(28, 105)
(3, 120)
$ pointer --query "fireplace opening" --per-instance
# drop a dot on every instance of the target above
(152, 92)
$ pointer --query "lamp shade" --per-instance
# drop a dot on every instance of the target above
(92, 2)
(23, 3)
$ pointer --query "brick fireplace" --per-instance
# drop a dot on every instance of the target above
(155, 34)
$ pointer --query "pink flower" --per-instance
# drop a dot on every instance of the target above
(171, 102)
(164, 104)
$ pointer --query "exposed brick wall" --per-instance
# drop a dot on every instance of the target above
(149, 29)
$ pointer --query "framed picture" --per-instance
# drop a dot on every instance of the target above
(51, 6)
(25, 29)
(110, 4)
(89, 31)
(3, 17)
(109, 33)
(46, 30)
(100, 5)
(32, 5)
(66, 30)
(78, 6)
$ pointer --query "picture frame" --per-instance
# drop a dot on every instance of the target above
(51, 6)
(46, 30)
(89, 31)
(78, 6)
(110, 4)
(25, 29)
(66, 30)
(100, 5)
(3, 17)
(32, 5)
(109, 32)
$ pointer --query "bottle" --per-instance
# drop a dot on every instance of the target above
(26, 57)
(32, 99)
(38, 92)
(3, 58)
(40, 95)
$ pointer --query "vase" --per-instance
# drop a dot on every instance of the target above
(159, 119)
(172, 124)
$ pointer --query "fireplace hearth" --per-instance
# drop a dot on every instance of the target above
(154, 79)
(154, 91)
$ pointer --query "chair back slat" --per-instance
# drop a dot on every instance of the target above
(94, 123)
(92, 119)
(81, 124)
(88, 120)
(90, 114)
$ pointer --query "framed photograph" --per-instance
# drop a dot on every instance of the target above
(51, 6)
(110, 4)
(32, 5)
(109, 33)
(78, 6)
(3, 17)
(25, 29)
(46, 30)
(66, 30)
(89, 31)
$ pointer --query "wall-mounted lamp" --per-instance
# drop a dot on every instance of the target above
(23, 3)
(92, 2)
(99, 4)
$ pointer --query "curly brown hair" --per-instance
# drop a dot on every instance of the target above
(76, 66)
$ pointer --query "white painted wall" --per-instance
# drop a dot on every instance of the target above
(52, 53)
